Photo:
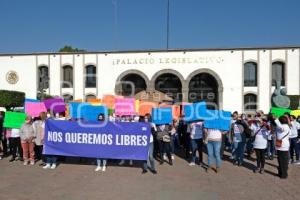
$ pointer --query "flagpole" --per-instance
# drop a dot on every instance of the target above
(168, 23)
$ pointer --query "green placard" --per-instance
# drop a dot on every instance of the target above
(279, 111)
(14, 119)
(110, 111)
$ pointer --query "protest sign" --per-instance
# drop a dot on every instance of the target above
(14, 119)
(296, 113)
(217, 119)
(34, 109)
(195, 111)
(57, 105)
(109, 101)
(119, 140)
(91, 112)
(125, 106)
(279, 111)
(31, 100)
(145, 107)
(162, 115)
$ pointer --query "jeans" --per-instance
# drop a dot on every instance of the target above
(174, 143)
(150, 158)
(214, 150)
(101, 160)
(260, 158)
(28, 148)
(197, 144)
(238, 151)
(294, 147)
(283, 163)
(50, 159)
(271, 148)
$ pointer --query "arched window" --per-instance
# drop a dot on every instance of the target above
(90, 73)
(43, 77)
(132, 84)
(250, 74)
(67, 76)
(169, 84)
(250, 102)
(90, 96)
(278, 73)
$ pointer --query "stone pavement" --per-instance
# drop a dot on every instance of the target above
(181, 181)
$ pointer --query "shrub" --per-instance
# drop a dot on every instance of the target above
(10, 99)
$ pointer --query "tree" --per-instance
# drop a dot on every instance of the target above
(11, 99)
(68, 48)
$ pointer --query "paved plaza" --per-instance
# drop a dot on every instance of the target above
(181, 181)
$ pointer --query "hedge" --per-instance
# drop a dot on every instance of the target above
(9, 99)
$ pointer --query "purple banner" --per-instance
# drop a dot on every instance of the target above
(120, 140)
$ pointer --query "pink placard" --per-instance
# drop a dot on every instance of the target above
(125, 106)
(34, 109)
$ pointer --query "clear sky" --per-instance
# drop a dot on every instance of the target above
(104, 25)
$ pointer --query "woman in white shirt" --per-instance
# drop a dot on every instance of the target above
(261, 133)
(282, 134)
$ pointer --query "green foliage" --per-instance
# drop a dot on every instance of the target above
(10, 99)
(294, 101)
(68, 48)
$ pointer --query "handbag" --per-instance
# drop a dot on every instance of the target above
(166, 138)
(253, 137)
(278, 142)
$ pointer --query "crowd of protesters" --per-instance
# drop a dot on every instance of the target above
(263, 135)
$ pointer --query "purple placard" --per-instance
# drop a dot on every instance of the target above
(56, 105)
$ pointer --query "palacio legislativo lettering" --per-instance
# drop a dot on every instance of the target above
(175, 60)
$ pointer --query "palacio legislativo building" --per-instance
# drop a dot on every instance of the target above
(241, 79)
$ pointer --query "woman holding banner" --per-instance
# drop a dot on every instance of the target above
(39, 129)
(151, 160)
(101, 118)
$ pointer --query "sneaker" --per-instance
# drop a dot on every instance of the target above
(262, 171)
(47, 166)
(25, 163)
(154, 171)
(122, 162)
(297, 162)
(192, 164)
(98, 168)
(32, 162)
(104, 168)
(53, 166)
(172, 157)
(12, 160)
(255, 170)
(144, 171)
(165, 157)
